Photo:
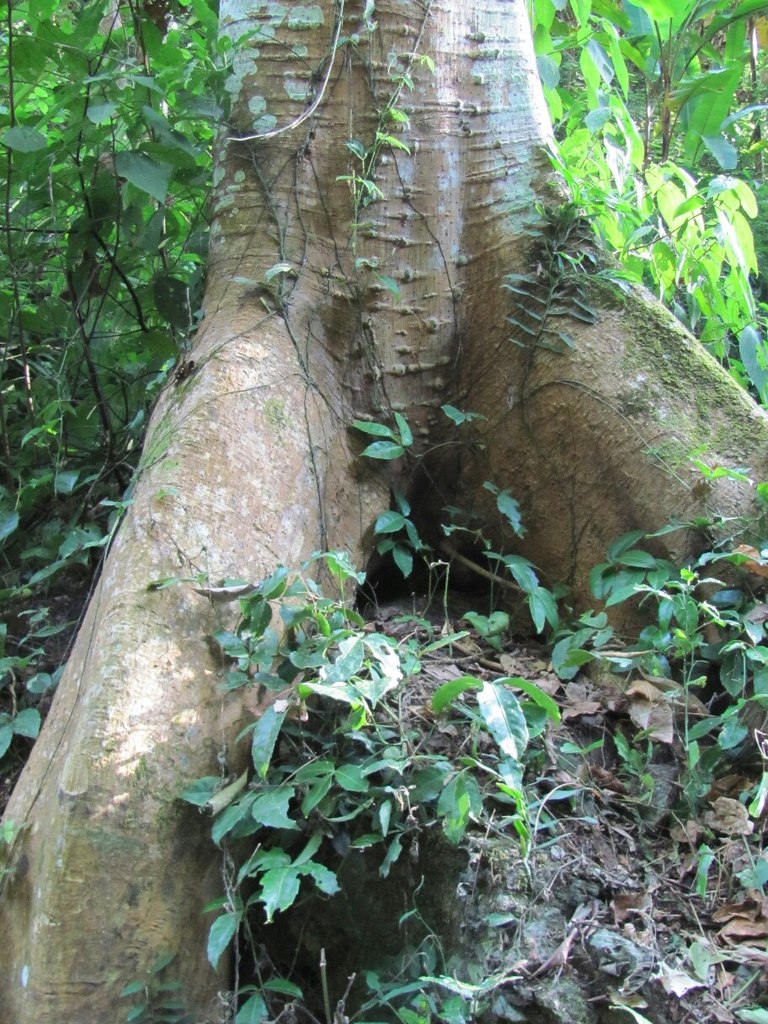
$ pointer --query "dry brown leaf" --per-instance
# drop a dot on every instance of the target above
(644, 690)
(754, 562)
(584, 707)
(649, 711)
(690, 832)
(755, 907)
(729, 817)
(739, 928)
(626, 903)
(758, 614)
(605, 780)
(677, 983)
(576, 692)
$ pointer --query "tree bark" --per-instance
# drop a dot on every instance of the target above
(320, 309)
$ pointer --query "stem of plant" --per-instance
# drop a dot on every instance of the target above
(324, 982)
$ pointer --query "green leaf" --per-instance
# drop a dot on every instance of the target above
(278, 268)
(510, 509)
(323, 877)
(536, 694)
(459, 799)
(376, 429)
(390, 284)
(65, 481)
(200, 791)
(9, 523)
(6, 735)
(458, 416)
(543, 608)
(403, 559)
(356, 147)
(753, 353)
(265, 736)
(383, 450)
(637, 559)
(131, 989)
(389, 522)
(271, 808)
(722, 150)
(24, 140)
(279, 889)
(351, 778)
(253, 1011)
(501, 712)
(98, 113)
(27, 723)
(221, 934)
(445, 693)
(146, 174)
(753, 1015)
(393, 852)
(406, 436)
(624, 542)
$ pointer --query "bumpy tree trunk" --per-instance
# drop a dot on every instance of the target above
(322, 308)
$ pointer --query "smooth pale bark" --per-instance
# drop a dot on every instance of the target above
(250, 460)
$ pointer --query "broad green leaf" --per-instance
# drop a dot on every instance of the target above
(624, 542)
(271, 808)
(278, 268)
(389, 522)
(722, 150)
(24, 140)
(403, 559)
(543, 608)
(27, 723)
(315, 794)
(393, 852)
(390, 284)
(283, 986)
(637, 559)
(459, 799)
(323, 877)
(445, 693)
(200, 791)
(9, 522)
(376, 429)
(265, 736)
(383, 450)
(279, 889)
(753, 353)
(234, 816)
(510, 509)
(98, 113)
(536, 694)
(170, 136)
(351, 778)
(65, 481)
(6, 735)
(502, 714)
(221, 934)
(253, 1011)
(145, 173)
(406, 436)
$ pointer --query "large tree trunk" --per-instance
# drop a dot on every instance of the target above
(249, 459)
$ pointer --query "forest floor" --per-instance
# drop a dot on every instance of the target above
(632, 909)
(625, 907)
